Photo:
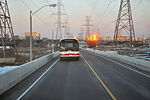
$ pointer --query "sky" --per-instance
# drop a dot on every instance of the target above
(103, 12)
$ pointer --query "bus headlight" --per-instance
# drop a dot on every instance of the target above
(62, 53)
(75, 52)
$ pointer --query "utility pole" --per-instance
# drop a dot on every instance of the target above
(31, 37)
(6, 30)
(87, 25)
(31, 14)
(124, 22)
(53, 41)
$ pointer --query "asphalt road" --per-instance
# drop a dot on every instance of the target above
(93, 77)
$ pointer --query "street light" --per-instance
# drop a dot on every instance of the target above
(31, 14)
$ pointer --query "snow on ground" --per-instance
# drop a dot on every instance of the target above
(7, 68)
(131, 60)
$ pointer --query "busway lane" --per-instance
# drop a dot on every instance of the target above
(75, 80)
(68, 80)
(23, 85)
(125, 84)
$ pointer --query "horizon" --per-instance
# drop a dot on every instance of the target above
(104, 14)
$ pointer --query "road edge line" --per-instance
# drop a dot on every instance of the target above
(26, 91)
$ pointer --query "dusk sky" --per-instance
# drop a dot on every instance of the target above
(103, 12)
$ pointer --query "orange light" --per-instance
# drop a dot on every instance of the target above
(92, 37)
(76, 37)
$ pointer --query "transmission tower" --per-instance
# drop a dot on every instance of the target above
(6, 29)
(67, 34)
(81, 35)
(87, 25)
(124, 22)
(59, 24)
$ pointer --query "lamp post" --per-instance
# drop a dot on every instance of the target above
(53, 41)
(31, 14)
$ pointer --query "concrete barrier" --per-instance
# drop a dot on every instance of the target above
(145, 65)
(10, 78)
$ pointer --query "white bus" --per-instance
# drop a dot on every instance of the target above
(69, 48)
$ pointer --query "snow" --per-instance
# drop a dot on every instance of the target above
(141, 63)
(7, 47)
(7, 68)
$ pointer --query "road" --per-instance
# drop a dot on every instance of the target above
(93, 77)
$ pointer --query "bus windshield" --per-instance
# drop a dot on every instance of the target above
(69, 44)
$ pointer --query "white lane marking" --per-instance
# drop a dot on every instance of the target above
(125, 66)
(25, 92)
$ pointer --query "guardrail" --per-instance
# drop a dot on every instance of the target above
(10, 78)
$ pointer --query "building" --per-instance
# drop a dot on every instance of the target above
(35, 35)
(140, 38)
(108, 38)
(122, 37)
(147, 40)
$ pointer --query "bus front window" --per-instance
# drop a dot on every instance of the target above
(69, 46)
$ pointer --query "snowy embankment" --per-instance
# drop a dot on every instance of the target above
(11, 75)
(145, 65)
(7, 68)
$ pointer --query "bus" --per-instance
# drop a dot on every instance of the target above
(69, 48)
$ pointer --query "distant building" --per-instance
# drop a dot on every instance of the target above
(45, 39)
(147, 40)
(122, 37)
(108, 38)
(140, 38)
(35, 35)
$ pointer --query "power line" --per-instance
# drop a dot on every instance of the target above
(52, 24)
(40, 19)
(36, 5)
(108, 15)
(138, 4)
(94, 8)
(52, 12)
(101, 19)
(25, 4)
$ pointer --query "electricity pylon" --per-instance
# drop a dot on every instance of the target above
(6, 30)
(87, 25)
(124, 23)
(59, 22)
